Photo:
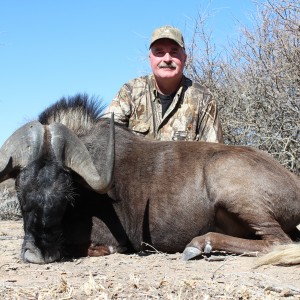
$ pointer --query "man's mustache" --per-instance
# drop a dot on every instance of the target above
(167, 65)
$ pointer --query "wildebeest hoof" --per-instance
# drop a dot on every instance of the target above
(190, 252)
(207, 248)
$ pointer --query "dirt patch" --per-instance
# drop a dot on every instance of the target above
(157, 276)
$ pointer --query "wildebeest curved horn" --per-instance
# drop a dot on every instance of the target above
(20, 148)
(69, 149)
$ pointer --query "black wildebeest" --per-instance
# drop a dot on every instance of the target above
(90, 187)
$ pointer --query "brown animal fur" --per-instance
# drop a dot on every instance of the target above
(189, 196)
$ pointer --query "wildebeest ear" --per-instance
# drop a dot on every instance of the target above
(23, 146)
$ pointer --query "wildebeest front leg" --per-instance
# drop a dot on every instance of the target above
(217, 241)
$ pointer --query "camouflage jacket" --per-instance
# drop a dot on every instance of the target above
(192, 115)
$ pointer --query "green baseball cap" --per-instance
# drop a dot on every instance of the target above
(167, 32)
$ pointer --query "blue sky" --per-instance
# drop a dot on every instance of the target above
(50, 49)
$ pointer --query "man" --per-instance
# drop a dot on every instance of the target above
(166, 105)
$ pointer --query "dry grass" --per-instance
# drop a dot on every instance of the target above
(9, 205)
(157, 276)
(103, 287)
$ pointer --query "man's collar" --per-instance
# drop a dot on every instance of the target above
(152, 81)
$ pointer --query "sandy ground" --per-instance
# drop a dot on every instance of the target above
(157, 276)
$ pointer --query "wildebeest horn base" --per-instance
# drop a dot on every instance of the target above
(70, 150)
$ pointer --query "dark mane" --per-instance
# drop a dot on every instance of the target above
(79, 113)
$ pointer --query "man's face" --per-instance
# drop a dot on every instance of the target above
(167, 59)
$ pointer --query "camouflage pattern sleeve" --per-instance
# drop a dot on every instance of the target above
(210, 129)
(121, 105)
